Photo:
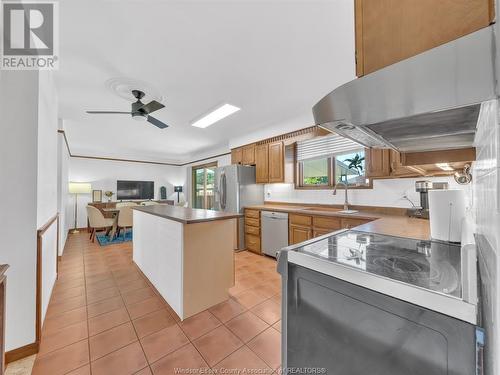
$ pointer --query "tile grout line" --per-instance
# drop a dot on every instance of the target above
(86, 307)
(90, 361)
(85, 288)
(119, 266)
(133, 326)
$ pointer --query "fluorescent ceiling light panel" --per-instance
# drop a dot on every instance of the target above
(444, 166)
(216, 115)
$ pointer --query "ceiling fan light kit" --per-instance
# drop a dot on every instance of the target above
(139, 110)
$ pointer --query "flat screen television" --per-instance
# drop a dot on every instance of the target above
(135, 190)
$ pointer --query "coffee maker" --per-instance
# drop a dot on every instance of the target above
(423, 188)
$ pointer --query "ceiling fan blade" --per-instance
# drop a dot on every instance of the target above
(107, 112)
(157, 122)
(150, 107)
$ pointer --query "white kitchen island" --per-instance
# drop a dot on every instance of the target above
(187, 254)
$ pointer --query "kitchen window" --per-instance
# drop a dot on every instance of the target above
(350, 167)
(324, 161)
(315, 173)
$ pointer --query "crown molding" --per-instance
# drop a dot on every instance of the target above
(63, 133)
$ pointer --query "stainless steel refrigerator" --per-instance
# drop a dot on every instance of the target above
(235, 189)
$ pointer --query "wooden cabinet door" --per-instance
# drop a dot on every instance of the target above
(325, 222)
(300, 220)
(388, 31)
(248, 157)
(351, 223)
(262, 164)
(277, 162)
(321, 232)
(253, 243)
(299, 234)
(378, 163)
(236, 156)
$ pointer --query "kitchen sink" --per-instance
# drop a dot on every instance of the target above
(328, 209)
(348, 211)
(323, 209)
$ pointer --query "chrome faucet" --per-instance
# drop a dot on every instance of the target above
(346, 202)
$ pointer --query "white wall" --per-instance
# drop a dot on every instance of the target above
(486, 196)
(103, 174)
(18, 187)
(387, 193)
(47, 182)
(47, 149)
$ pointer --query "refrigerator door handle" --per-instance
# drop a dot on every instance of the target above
(223, 187)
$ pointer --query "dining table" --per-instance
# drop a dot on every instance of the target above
(114, 212)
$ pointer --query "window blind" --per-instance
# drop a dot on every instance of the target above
(325, 147)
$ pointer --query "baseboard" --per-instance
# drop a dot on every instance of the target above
(22, 352)
(83, 229)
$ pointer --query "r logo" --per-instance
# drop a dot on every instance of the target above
(28, 29)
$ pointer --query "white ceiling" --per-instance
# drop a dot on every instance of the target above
(274, 59)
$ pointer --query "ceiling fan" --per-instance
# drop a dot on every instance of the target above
(140, 111)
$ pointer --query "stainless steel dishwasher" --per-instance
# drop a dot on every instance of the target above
(274, 232)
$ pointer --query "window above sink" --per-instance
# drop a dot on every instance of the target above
(322, 162)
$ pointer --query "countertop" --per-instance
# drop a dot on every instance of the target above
(185, 215)
(382, 223)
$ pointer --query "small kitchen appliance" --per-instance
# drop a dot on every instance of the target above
(447, 211)
(422, 187)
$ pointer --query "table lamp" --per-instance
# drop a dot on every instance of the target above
(178, 190)
(78, 188)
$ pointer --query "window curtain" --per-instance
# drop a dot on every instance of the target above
(322, 147)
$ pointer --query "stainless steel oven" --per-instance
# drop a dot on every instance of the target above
(355, 303)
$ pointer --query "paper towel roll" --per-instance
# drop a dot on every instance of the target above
(446, 212)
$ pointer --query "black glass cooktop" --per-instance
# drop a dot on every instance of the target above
(428, 264)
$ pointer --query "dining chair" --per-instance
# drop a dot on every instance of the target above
(149, 203)
(125, 219)
(125, 204)
(97, 221)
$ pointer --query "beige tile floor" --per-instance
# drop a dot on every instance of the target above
(105, 318)
(22, 367)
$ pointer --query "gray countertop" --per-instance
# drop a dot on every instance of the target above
(186, 215)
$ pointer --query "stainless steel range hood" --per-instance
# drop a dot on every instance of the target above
(427, 102)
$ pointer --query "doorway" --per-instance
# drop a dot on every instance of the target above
(203, 182)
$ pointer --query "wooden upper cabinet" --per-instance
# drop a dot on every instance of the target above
(378, 163)
(388, 31)
(236, 156)
(276, 162)
(248, 157)
(262, 164)
(399, 170)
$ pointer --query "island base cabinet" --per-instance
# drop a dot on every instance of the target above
(208, 265)
(190, 265)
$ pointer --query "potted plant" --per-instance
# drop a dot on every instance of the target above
(109, 194)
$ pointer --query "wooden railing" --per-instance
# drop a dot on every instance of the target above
(3, 268)
(39, 251)
(30, 349)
